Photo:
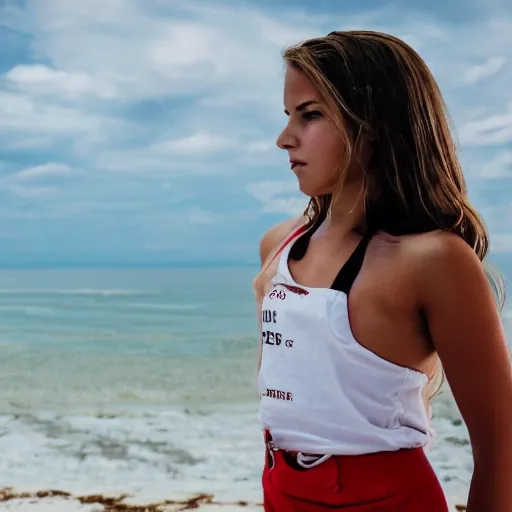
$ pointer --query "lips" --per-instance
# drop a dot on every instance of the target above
(295, 163)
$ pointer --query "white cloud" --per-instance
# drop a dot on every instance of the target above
(44, 170)
(33, 192)
(498, 167)
(141, 55)
(488, 131)
(20, 183)
(491, 67)
(193, 154)
(204, 50)
(35, 119)
(270, 193)
(15, 141)
(291, 206)
(200, 142)
(268, 189)
(40, 79)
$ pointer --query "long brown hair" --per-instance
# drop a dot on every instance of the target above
(377, 86)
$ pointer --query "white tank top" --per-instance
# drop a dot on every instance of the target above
(321, 391)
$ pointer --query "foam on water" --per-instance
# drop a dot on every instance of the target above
(168, 452)
(164, 452)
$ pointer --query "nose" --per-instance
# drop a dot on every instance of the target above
(286, 139)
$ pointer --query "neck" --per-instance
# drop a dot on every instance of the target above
(347, 211)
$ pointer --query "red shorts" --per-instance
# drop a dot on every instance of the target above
(401, 481)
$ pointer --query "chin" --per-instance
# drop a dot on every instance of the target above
(312, 190)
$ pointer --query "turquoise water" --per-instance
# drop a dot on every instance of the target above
(96, 337)
(128, 310)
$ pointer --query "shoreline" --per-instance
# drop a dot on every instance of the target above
(52, 500)
(62, 501)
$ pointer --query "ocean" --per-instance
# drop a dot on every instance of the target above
(143, 381)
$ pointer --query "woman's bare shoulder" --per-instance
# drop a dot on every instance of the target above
(437, 247)
(276, 234)
(442, 263)
(432, 260)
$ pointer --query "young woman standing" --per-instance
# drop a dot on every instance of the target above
(375, 291)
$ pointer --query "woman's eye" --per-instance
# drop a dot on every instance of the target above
(312, 114)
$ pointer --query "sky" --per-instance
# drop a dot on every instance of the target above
(142, 132)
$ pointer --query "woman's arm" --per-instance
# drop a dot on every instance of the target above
(269, 245)
(468, 335)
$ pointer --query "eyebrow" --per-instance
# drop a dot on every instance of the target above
(302, 106)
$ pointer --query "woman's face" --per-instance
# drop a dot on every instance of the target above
(310, 136)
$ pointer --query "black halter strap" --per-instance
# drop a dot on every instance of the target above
(349, 271)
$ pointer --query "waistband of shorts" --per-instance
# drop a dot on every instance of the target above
(356, 458)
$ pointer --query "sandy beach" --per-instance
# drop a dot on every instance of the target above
(60, 501)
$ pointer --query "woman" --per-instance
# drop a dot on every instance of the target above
(372, 291)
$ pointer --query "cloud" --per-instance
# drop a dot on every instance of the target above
(290, 206)
(200, 153)
(17, 142)
(32, 119)
(488, 131)
(491, 67)
(33, 192)
(200, 142)
(267, 189)
(499, 166)
(44, 170)
(142, 55)
(157, 51)
(268, 193)
(16, 183)
(40, 79)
